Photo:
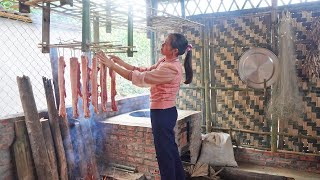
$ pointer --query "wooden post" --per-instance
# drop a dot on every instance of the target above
(39, 152)
(22, 152)
(55, 129)
(50, 147)
(46, 28)
(66, 138)
(85, 25)
(54, 68)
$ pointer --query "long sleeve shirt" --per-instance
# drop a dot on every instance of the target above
(163, 78)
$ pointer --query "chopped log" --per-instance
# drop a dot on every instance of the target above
(39, 152)
(22, 152)
(55, 129)
(50, 147)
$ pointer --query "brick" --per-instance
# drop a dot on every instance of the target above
(149, 142)
(291, 156)
(131, 128)
(149, 130)
(131, 133)
(150, 156)
(151, 163)
(139, 134)
(139, 129)
(149, 150)
(308, 158)
(140, 141)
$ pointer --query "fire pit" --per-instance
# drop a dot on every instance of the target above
(128, 139)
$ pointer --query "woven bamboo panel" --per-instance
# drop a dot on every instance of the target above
(309, 123)
(189, 99)
(232, 36)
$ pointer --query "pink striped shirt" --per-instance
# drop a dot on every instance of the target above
(163, 78)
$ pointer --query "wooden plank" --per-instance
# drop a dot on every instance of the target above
(39, 152)
(22, 152)
(50, 147)
(54, 124)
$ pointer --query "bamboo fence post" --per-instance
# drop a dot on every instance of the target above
(39, 152)
(206, 79)
(54, 124)
(22, 152)
(274, 123)
(50, 147)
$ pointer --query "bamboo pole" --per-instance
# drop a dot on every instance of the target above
(50, 147)
(54, 124)
(274, 123)
(22, 152)
(39, 152)
(266, 133)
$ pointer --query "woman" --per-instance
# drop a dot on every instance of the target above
(164, 79)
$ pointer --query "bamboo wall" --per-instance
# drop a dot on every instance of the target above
(233, 104)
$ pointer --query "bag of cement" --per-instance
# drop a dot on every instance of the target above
(217, 150)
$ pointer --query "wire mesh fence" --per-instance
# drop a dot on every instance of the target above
(21, 55)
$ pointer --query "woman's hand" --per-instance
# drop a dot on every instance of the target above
(104, 59)
(116, 59)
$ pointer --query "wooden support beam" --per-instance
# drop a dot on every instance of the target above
(130, 32)
(22, 152)
(46, 28)
(39, 152)
(50, 147)
(96, 29)
(85, 25)
(183, 9)
(54, 124)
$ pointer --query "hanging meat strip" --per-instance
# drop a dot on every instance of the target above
(103, 85)
(113, 90)
(94, 84)
(62, 88)
(75, 84)
(85, 86)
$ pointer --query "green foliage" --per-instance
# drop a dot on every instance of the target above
(140, 58)
(9, 4)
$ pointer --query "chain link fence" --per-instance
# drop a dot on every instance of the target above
(20, 55)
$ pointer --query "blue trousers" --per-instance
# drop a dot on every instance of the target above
(163, 122)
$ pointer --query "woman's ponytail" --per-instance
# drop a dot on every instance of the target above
(181, 43)
(188, 65)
